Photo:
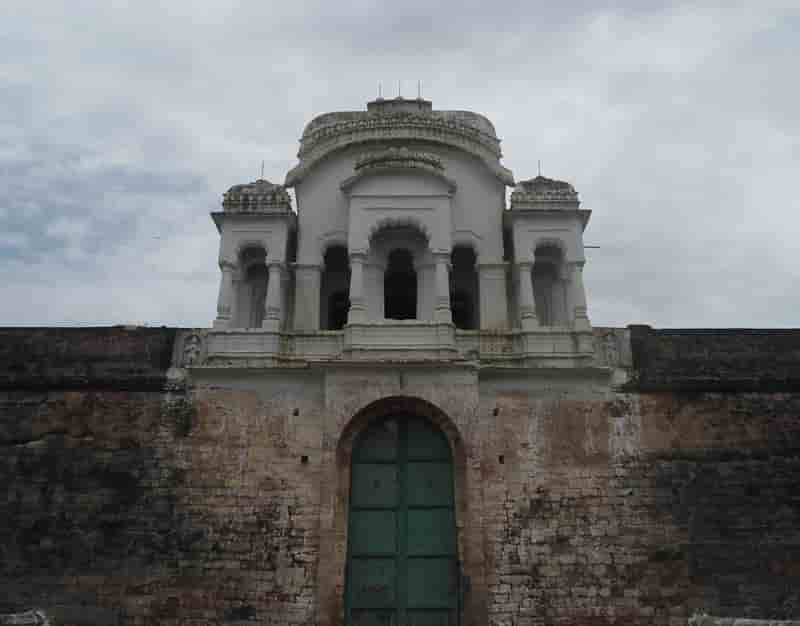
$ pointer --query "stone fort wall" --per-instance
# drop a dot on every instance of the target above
(663, 482)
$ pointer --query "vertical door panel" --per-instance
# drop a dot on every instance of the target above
(379, 443)
(373, 583)
(373, 617)
(430, 531)
(429, 484)
(373, 532)
(426, 442)
(430, 617)
(374, 485)
(401, 568)
(431, 582)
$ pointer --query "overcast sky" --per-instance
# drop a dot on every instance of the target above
(122, 123)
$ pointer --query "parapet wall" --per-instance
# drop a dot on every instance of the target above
(76, 358)
(715, 359)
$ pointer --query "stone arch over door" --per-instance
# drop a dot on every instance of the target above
(334, 543)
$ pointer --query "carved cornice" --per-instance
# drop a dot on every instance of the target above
(393, 159)
(322, 140)
(544, 192)
(260, 196)
(399, 157)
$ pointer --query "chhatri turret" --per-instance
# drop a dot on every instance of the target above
(401, 246)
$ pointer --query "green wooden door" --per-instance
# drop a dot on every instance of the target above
(401, 561)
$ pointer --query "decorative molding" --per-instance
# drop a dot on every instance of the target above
(395, 159)
(192, 349)
(555, 242)
(467, 238)
(362, 127)
(256, 197)
(543, 191)
(399, 157)
(405, 221)
(336, 237)
(245, 244)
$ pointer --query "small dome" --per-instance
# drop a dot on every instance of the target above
(541, 189)
(260, 195)
(540, 184)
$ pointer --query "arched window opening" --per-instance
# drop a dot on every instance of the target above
(334, 291)
(400, 286)
(464, 289)
(253, 288)
(548, 288)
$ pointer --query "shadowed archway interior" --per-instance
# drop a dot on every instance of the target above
(400, 286)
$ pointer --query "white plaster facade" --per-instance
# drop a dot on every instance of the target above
(364, 269)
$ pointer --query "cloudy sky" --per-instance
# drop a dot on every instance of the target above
(122, 123)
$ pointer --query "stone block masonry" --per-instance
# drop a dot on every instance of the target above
(136, 491)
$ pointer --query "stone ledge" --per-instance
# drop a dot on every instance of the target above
(708, 620)
(34, 617)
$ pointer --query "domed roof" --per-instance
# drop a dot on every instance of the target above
(541, 189)
(399, 119)
(398, 106)
(260, 195)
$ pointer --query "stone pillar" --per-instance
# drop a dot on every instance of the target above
(492, 296)
(578, 297)
(273, 303)
(358, 301)
(308, 281)
(373, 280)
(565, 284)
(225, 296)
(443, 312)
(527, 304)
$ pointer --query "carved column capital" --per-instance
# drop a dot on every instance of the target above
(276, 268)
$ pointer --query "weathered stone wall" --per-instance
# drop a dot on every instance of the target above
(87, 504)
(136, 493)
(639, 506)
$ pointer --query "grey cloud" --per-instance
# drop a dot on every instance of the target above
(677, 123)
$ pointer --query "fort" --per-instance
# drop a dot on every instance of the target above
(401, 414)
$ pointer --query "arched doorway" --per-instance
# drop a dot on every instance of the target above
(402, 555)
